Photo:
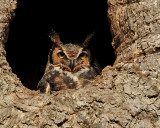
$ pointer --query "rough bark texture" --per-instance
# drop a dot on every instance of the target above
(125, 95)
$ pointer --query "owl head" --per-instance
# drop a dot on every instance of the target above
(70, 57)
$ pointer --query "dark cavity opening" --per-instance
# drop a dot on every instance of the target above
(29, 43)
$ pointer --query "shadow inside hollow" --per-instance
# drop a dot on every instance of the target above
(29, 43)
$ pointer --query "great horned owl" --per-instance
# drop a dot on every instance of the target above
(69, 66)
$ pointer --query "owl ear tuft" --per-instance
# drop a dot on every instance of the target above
(55, 38)
(88, 39)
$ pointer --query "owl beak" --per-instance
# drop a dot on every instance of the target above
(72, 65)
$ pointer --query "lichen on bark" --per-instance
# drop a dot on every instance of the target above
(125, 95)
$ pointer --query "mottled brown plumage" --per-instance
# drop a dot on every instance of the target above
(69, 66)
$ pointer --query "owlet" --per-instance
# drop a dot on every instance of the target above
(69, 66)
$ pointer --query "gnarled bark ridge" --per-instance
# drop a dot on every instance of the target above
(125, 95)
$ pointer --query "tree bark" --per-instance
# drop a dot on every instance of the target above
(123, 96)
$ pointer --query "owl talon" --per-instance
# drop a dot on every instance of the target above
(48, 89)
(44, 87)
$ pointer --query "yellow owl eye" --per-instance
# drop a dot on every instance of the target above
(83, 56)
(61, 55)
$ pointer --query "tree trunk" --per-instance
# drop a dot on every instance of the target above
(125, 95)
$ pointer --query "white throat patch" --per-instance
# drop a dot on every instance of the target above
(73, 76)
